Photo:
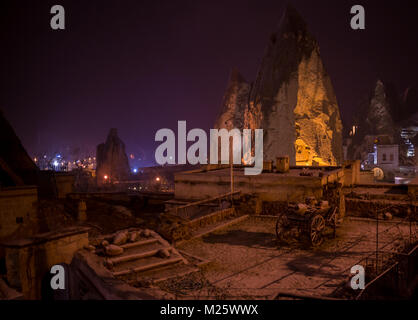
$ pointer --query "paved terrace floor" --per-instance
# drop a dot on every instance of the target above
(247, 262)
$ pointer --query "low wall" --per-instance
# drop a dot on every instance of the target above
(366, 177)
(267, 186)
(351, 173)
(413, 188)
(17, 207)
(367, 208)
(28, 260)
(65, 184)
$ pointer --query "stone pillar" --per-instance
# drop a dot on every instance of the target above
(82, 208)
(258, 206)
(282, 164)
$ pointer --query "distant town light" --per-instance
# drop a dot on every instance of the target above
(135, 170)
(157, 179)
(106, 177)
(56, 163)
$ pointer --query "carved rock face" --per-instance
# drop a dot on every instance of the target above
(112, 162)
(293, 100)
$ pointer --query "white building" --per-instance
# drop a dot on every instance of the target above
(387, 157)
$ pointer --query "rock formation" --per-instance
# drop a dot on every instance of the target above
(379, 118)
(382, 118)
(234, 103)
(292, 99)
(16, 167)
(112, 161)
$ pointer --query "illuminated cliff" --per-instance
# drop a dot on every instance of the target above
(293, 100)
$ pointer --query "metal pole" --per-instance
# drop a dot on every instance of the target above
(410, 227)
(410, 219)
(231, 162)
(232, 183)
(377, 239)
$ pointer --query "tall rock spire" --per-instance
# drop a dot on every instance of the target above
(293, 98)
(234, 103)
(16, 167)
(112, 161)
(379, 117)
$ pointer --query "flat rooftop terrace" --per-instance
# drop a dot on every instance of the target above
(293, 172)
(294, 185)
(246, 260)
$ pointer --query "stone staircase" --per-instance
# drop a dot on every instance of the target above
(149, 259)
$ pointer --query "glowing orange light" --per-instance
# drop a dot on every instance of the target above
(157, 179)
(106, 177)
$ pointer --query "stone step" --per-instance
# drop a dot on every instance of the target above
(158, 275)
(201, 232)
(138, 243)
(136, 256)
(163, 263)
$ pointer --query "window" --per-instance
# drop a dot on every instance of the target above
(392, 157)
(384, 157)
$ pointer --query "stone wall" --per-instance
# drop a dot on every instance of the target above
(28, 260)
(65, 184)
(267, 186)
(351, 173)
(366, 177)
(17, 208)
(413, 188)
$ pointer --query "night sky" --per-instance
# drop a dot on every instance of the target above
(143, 65)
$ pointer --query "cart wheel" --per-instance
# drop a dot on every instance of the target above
(317, 226)
(282, 225)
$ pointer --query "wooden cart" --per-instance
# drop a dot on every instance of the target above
(310, 225)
